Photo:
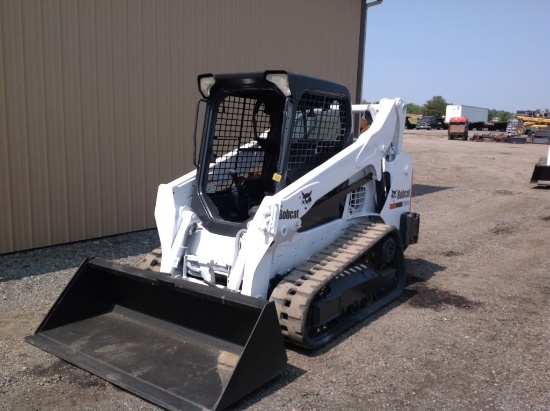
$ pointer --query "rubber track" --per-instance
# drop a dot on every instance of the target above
(294, 294)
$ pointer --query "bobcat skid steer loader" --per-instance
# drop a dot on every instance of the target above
(289, 229)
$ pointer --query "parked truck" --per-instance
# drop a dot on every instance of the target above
(458, 128)
(477, 116)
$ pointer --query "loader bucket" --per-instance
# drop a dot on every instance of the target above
(541, 174)
(177, 344)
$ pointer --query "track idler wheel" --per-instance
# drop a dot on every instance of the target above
(384, 253)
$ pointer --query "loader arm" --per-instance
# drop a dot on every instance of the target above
(375, 152)
(365, 155)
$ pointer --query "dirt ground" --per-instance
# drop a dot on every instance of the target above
(470, 332)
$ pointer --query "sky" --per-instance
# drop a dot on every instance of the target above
(485, 53)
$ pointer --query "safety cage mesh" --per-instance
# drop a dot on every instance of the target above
(234, 145)
(357, 201)
(319, 132)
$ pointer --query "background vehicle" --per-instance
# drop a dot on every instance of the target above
(427, 123)
(477, 116)
(458, 127)
(287, 228)
(515, 126)
(529, 124)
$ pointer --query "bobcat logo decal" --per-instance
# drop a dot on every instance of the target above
(400, 194)
(306, 197)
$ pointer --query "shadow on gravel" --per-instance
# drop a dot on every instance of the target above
(15, 266)
(419, 294)
(290, 374)
(421, 270)
(423, 189)
(61, 370)
(423, 296)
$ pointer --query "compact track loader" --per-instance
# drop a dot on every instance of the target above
(290, 229)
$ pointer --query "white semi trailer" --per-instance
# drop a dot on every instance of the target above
(477, 116)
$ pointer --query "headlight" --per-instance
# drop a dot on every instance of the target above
(280, 80)
(206, 81)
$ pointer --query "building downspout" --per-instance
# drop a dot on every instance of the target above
(361, 60)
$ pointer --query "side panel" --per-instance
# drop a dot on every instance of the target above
(170, 197)
(400, 192)
(291, 253)
(475, 114)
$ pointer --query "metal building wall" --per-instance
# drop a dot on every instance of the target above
(97, 98)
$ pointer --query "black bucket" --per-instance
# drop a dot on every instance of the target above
(541, 172)
(177, 344)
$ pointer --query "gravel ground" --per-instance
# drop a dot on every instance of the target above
(470, 332)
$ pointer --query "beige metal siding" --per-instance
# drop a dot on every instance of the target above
(97, 98)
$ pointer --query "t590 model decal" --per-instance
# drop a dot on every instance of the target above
(399, 194)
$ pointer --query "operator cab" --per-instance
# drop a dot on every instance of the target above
(263, 131)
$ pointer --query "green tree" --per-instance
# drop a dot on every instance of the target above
(500, 114)
(414, 108)
(435, 106)
(504, 115)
